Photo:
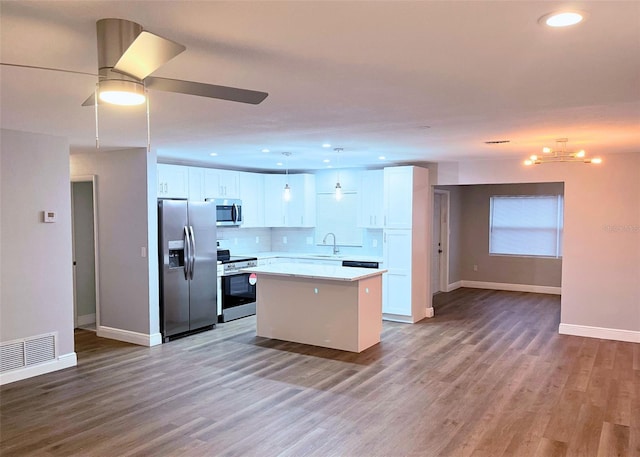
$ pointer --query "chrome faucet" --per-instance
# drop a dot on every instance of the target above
(324, 241)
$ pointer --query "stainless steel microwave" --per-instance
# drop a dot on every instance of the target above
(228, 211)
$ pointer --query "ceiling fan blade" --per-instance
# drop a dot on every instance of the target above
(146, 54)
(48, 69)
(205, 90)
(90, 101)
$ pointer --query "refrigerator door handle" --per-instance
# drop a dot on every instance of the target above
(187, 253)
(192, 251)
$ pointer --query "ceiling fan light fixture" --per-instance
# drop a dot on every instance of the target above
(121, 92)
(562, 18)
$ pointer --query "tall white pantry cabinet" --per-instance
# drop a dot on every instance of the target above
(406, 247)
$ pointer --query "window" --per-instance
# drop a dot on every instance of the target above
(529, 225)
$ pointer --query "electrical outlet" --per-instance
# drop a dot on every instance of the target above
(284, 240)
(475, 268)
(257, 240)
(374, 243)
(235, 241)
(310, 240)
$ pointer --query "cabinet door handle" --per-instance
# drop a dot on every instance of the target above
(166, 188)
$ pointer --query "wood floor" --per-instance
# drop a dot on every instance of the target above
(488, 376)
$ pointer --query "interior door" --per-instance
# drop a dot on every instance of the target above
(436, 249)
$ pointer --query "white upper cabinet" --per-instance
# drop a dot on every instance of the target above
(196, 184)
(300, 210)
(398, 197)
(252, 195)
(221, 183)
(371, 199)
(173, 181)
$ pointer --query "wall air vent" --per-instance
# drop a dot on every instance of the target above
(497, 142)
(27, 352)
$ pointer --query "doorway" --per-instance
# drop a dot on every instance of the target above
(84, 252)
(440, 242)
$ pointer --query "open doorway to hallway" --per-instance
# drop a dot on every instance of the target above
(83, 217)
(440, 240)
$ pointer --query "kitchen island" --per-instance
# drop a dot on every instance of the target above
(322, 305)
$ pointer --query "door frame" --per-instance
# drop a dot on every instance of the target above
(93, 179)
(445, 207)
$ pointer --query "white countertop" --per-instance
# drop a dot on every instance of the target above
(305, 270)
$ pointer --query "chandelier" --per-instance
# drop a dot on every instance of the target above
(560, 154)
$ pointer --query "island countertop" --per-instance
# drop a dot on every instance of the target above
(327, 272)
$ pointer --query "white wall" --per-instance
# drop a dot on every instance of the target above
(36, 293)
(127, 223)
(601, 263)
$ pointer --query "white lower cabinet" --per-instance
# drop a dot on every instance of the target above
(397, 281)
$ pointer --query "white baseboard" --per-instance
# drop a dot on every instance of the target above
(512, 287)
(62, 362)
(454, 286)
(86, 319)
(397, 318)
(128, 336)
(603, 333)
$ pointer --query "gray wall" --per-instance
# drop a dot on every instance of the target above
(128, 299)
(469, 226)
(36, 292)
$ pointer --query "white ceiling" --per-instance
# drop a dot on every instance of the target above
(413, 81)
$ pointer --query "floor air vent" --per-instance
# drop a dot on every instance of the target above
(27, 352)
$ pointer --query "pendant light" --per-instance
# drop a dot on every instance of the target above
(286, 194)
(338, 186)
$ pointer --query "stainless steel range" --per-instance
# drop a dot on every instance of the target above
(237, 293)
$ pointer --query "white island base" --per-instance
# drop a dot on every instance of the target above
(339, 311)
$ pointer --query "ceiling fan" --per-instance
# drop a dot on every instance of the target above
(128, 55)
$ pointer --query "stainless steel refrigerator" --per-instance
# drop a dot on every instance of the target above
(188, 266)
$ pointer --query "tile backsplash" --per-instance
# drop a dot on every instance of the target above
(299, 240)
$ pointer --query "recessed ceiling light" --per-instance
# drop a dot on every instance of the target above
(279, 164)
(213, 154)
(326, 145)
(329, 166)
(382, 158)
(326, 160)
(266, 150)
(562, 18)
